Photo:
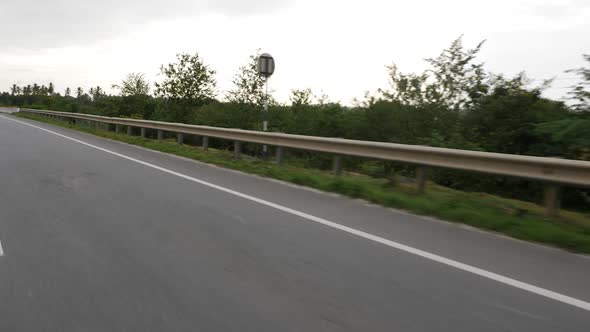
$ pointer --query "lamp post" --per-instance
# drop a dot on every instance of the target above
(266, 67)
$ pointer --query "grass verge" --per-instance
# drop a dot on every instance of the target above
(518, 219)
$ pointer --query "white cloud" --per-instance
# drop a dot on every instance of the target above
(37, 24)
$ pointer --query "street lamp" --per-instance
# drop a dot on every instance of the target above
(266, 67)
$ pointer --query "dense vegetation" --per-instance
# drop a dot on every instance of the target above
(456, 103)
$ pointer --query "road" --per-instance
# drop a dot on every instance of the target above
(98, 235)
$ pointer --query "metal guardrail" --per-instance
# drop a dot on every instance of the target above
(7, 110)
(552, 171)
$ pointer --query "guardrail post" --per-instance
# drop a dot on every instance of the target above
(117, 128)
(280, 154)
(205, 143)
(143, 132)
(160, 135)
(237, 149)
(552, 199)
(179, 138)
(337, 165)
(421, 179)
(129, 130)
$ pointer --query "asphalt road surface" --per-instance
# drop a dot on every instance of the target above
(98, 235)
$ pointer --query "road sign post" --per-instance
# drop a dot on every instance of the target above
(266, 67)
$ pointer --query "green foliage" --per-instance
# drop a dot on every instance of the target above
(96, 93)
(228, 115)
(505, 120)
(189, 81)
(459, 81)
(187, 84)
(249, 87)
(409, 89)
(134, 84)
(569, 138)
(301, 97)
(126, 106)
(454, 80)
(580, 93)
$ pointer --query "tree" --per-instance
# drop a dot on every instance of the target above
(460, 82)
(581, 92)
(569, 138)
(133, 84)
(79, 92)
(68, 92)
(36, 89)
(188, 82)
(96, 93)
(51, 89)
(248, 85)
(301, 97)
(505, 120)
(454, 80)
(367, 100)
(14, 90)
(409, 89)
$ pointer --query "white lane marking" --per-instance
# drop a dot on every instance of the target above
(1, 251)
(458, 265)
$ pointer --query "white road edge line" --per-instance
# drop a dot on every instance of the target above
(458, 265)
(1, 251)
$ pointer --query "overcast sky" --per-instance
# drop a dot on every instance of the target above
(336, 47)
